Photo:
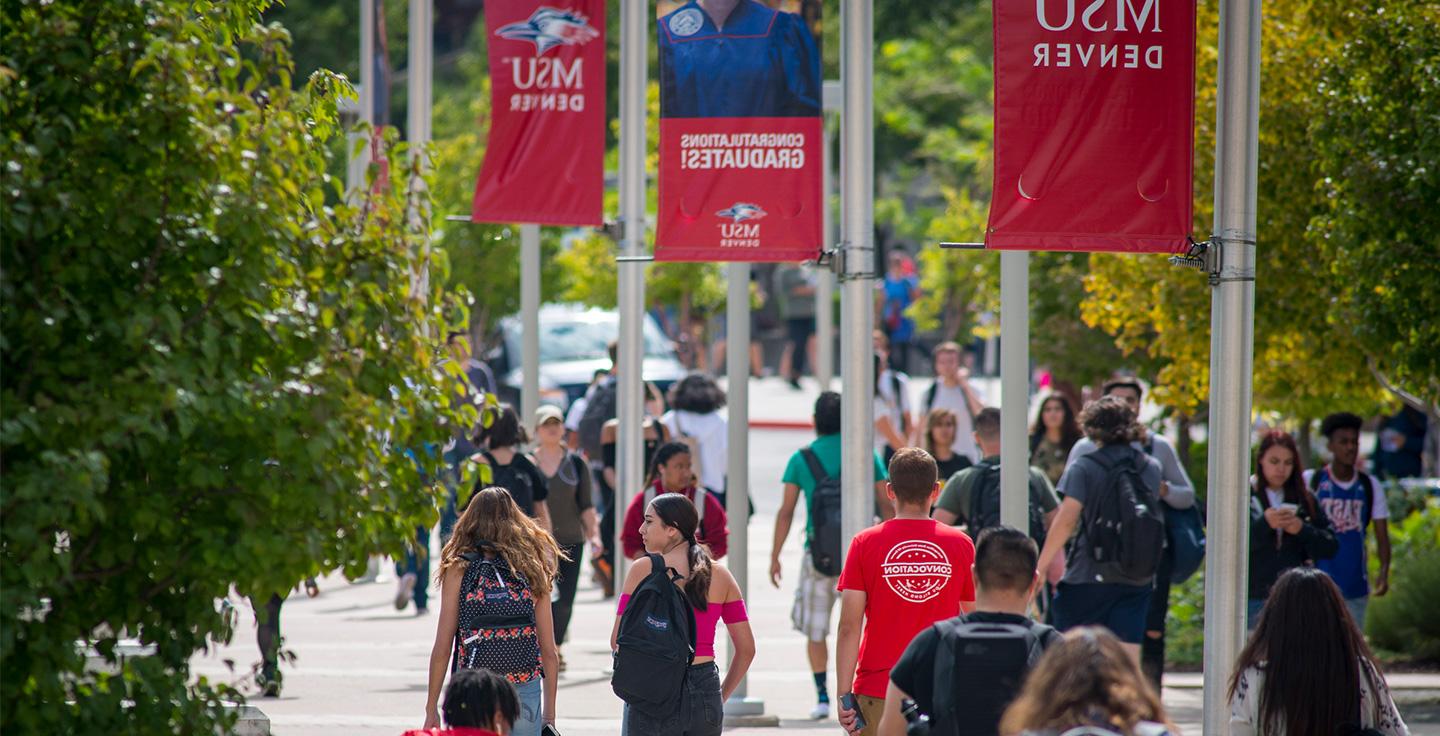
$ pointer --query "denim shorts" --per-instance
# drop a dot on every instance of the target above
(532, 695)
(701, 712)
(1119, 608)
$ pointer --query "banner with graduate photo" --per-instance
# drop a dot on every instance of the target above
(740, 130)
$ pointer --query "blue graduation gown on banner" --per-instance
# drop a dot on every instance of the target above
(763, 63)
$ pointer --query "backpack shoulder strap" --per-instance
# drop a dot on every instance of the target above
(1315, 478)
(817, 470)
(1369, 486)
(973, 485)
(930, 396)
(489, 459)
(658, 567)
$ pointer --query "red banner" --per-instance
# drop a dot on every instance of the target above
(1094, 125)
(545, 157)
(740, 132)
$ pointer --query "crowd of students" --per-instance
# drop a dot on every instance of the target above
(949, 623)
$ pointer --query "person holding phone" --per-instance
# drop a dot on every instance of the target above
(1288, 528)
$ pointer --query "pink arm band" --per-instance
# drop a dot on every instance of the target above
(733, 612)
(624, 599)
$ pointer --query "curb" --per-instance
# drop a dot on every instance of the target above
(784, 424)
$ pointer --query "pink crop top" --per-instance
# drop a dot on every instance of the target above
(731, 612)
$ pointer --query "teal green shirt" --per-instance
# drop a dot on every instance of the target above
(827, 449)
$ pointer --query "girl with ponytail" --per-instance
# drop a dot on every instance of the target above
(669, 529)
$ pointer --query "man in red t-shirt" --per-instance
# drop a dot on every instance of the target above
(899, 578)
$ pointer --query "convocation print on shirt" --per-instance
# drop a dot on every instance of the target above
(740, 130)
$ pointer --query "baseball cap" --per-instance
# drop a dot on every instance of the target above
(546, 412)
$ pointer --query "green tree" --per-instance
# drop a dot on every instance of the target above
(214, 371)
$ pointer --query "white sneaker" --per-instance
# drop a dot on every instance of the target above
(404, 592)
(820, 712)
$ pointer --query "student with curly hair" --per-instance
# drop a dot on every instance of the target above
(496, 574)
(1088, 685)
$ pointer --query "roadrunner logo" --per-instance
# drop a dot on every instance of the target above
(549, 27)
(741, 212)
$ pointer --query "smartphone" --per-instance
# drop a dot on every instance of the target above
(847, 701)
(1292, 508)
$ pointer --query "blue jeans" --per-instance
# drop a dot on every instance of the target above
(1357, 608)
(417, 560)
(532, 696)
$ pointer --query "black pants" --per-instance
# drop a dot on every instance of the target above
(569, 577)
(800, 329)
(1152, 650)
(701, 712)
(267, 634)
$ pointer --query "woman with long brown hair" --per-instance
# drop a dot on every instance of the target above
(1288, 527)
(1086, 684)
(496, 573)
(1307, 669)
(1053, 434)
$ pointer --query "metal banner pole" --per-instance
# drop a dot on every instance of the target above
(857, 315)
(1014, 387)
(359, 162)
(421, 68)
(529, 321)
(737, 476)
(1232, 347)
(824, 366)
(630, 408)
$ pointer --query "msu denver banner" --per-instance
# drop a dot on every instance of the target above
(545, 159)
(740, 131)
(1094, 120)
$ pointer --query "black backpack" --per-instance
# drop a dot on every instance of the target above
(1124, 526)
(512, 478)
(598, 410)
(825, 517)
(655, 644)
(984, 511)
(979, 668)
(496, 625)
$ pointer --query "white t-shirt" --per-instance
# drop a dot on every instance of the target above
(888, 404)
(710, 430)
(953, 398)
(576, 413)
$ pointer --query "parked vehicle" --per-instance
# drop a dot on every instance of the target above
(573, 341)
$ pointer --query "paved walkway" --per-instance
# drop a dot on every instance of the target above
(360, 666)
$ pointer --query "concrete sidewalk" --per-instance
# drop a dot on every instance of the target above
(360, 666)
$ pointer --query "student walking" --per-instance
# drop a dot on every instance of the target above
(961, 673)
(892, 408)
(1353, 501)
(670, 472)
(1105, 492)
(1087, 685)
(952, 390)
(1177, 492)
(972, 496)
(1288, 527)
(512, 470)
(568, 497)
(477, 703)
(1307, 669)
(814, 471)
(899, 578)
(1053, 436)
(496, 575)
(695, 419)
(675, 554)
(937, 437)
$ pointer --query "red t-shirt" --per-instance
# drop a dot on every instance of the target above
(914, 572)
